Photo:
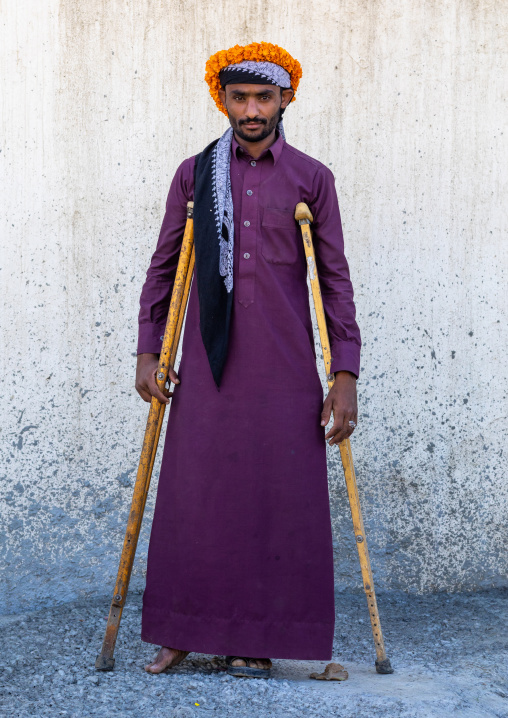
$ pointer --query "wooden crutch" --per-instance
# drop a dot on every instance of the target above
(179, 297)
(304, 218)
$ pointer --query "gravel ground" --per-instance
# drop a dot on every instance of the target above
(449, 653)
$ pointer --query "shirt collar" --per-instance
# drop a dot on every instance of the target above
(275, 149)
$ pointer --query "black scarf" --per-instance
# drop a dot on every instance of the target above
(215, 301)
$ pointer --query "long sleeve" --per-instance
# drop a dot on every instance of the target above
(333, 271)
(156, 293)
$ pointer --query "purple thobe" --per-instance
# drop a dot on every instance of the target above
(240, 558)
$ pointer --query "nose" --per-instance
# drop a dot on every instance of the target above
(252, 108)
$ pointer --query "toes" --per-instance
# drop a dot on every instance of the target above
(239, 663)
(260, 663)
(156, 668)
(167, 658)
(159, 662)
(265, 663)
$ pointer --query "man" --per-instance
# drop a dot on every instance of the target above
(240, 560)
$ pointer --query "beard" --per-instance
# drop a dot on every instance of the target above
(267, 127)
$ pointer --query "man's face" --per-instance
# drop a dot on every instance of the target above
(254, 110)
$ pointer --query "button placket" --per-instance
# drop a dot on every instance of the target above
(248, 234)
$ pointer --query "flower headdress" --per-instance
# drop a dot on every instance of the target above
(255, 52)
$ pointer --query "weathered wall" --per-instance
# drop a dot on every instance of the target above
(101, 100)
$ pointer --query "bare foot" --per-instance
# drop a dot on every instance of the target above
(166, 658)
(252, 663)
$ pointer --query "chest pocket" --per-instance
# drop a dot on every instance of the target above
(279, 236)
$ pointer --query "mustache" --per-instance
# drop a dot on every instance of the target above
(260, 120)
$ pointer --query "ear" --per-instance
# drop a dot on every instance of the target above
(222, 96)
(287, 96)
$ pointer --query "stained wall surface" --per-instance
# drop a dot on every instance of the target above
(405, 102)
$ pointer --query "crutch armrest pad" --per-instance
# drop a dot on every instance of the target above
(303, 212)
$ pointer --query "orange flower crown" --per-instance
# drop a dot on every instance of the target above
(256, 52)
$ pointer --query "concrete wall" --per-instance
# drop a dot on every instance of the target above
(100, 101)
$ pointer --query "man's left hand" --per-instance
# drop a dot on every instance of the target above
(341, 400)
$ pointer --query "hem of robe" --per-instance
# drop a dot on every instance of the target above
(228, 637)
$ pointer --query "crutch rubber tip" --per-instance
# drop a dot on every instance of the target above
(384, 667)
(104, 664)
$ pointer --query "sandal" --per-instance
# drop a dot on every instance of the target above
(245, 671)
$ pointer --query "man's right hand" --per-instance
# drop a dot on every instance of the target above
(146, 383)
